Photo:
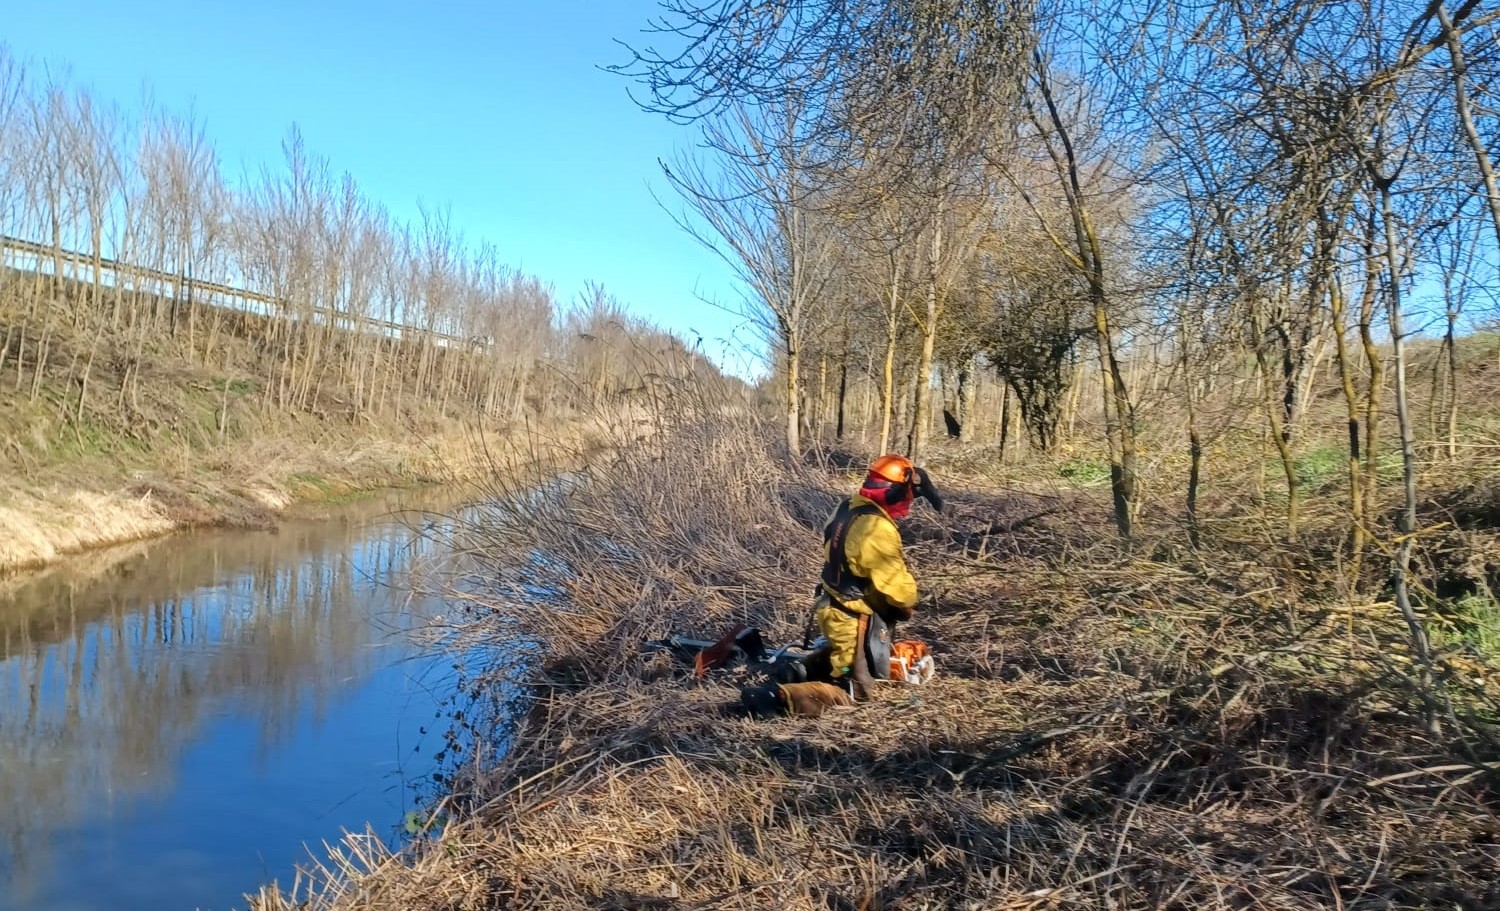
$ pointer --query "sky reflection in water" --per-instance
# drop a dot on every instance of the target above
(177, 720)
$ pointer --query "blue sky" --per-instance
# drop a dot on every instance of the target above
(497, 109)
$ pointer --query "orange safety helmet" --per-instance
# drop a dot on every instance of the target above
(893, 468)
(893, 479)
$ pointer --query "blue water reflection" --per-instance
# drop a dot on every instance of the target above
(179, 721)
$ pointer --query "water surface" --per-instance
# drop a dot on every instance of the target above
(179, 719)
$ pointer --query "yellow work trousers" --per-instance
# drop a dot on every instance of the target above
(841, 629)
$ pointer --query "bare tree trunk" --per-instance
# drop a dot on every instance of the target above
(843, 394)
(1375, 364)
(923, 416)
(1070, 405)
(867, 409)
(10, 328)
(1355, 468)
(979, 396)
(903, 405)
(1087, 255)
(962, 396)
(88, 370)
(888, 374)
(1004, 418)
(1452, 435)
(793, 396)
(20, 360)
(1281, 437)
(821, 418)
(1119, 423)
(40, 354)
(523, 389)
(1407, 523)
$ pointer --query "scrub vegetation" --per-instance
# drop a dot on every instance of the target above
(1221, 726)
(1183, 306)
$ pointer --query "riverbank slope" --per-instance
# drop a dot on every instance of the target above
(107, 438)
(74, 505)
(1210, 728)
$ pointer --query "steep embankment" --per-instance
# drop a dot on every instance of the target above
(127, 489)
(110, 435)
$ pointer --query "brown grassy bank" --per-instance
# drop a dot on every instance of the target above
(1168, 729)
(107, 437)
(78, 505)
(195, 447)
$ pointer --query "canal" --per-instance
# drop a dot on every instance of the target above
(185, 719)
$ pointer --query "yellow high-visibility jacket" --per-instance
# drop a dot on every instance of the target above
(872, 549)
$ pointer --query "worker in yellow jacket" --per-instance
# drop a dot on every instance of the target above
(865, 587)
(865, 584)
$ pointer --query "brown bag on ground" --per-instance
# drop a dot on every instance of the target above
(808, 700)
(811, 699)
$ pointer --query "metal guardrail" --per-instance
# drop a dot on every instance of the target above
(30, 256)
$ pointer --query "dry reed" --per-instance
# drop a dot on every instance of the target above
(1202, 731)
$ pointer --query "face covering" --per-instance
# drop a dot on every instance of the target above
(883, 495)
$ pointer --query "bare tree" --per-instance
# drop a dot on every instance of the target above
(1056, 130)
(1032, 309)
(1452, 38)
(758, 213)
(882, 99)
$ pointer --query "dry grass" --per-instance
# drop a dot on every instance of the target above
(247, 482)
(41, 526)
(187, 438)
(1214, 730)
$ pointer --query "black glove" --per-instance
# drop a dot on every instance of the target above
(925, 488)
(885, 610)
